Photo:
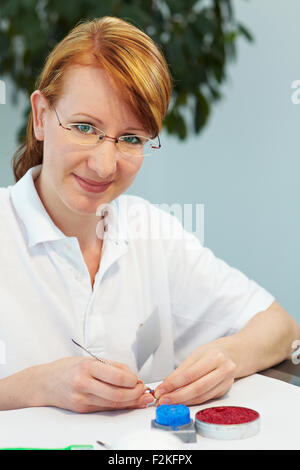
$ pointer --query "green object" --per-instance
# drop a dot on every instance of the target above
(70, 447)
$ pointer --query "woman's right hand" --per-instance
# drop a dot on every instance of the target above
(84, 384)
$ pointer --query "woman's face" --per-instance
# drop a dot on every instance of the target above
(88, 97)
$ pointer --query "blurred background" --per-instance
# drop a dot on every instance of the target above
(231, 139)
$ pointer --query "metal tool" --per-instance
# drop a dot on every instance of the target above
(93, 355)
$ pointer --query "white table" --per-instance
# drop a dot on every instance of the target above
(277, 402)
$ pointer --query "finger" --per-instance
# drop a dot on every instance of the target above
(194, 389)
(182, 377)
(111, 392)
(216, 392)
(120, 365)
(112, 374)
(125, 368)
(141, 402)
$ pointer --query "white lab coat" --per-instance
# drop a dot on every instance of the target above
(149, 266)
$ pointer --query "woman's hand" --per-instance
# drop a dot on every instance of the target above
(207, 373)
(84, 384)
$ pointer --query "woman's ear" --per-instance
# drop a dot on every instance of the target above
(39, 106)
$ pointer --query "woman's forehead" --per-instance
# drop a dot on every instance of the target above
(88, 80)
(90, 90)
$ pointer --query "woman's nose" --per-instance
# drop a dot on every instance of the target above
(103, 159)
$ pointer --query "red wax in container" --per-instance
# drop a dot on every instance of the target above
(227, 422)
(227, 415)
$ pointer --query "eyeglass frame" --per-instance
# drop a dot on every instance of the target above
(115, 139)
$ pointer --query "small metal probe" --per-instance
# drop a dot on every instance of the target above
(93, 355)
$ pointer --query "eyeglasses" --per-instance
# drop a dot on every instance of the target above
(130, 145)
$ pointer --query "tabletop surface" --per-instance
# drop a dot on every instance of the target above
(277, 402)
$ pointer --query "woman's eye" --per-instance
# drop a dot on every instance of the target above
(132, 139)
(85, 128)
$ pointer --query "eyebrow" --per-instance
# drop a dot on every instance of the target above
(101, 122)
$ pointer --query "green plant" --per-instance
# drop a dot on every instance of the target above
(198, 38)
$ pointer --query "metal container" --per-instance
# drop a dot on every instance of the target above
(227, 422)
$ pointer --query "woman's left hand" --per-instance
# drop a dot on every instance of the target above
(207, 373)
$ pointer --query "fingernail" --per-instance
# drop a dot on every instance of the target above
(159, 392)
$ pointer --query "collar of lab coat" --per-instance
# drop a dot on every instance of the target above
(38, 225)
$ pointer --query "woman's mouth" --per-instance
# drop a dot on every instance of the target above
(91, 186)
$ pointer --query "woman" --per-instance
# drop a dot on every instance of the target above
(83, 261)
